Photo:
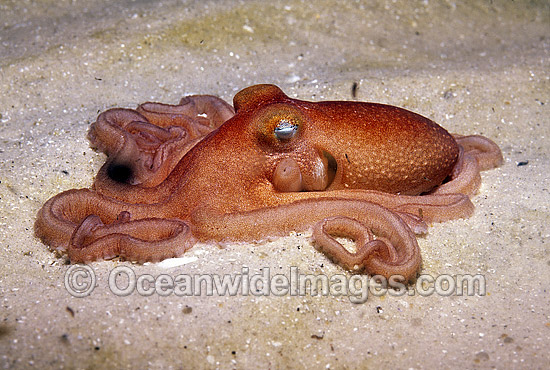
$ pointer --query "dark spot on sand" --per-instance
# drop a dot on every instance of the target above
(354, 88)
(5, 330)
(70, 310)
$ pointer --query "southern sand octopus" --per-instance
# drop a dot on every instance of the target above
(201, 171)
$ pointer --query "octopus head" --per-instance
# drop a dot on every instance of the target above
(285, 133)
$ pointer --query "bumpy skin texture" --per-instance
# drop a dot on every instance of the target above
(200, 171)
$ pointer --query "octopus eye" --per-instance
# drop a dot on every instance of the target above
(285, 129)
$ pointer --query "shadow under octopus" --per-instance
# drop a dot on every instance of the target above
(203, 171)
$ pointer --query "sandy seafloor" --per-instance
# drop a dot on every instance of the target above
(475, 67)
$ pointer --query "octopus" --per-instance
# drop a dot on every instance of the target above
(205, 171)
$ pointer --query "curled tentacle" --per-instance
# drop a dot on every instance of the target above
(477, 153)
(60, 215)
(465, 178)
(377, 256)
(108, 132)
(400, 256)
(91, 226)
(149, 239)
(216, 110)
(487, 153)
(197, 114)
(146, 144)
(139, 152)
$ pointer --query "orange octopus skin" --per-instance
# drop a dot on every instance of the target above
(177, 174)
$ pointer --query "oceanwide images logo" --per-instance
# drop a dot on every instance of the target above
(80, 281)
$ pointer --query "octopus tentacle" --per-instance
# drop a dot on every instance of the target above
(429, 207)
(414, 222)
(377, 256)
(108, 132)
(402, 257)
(139, 152)
(477, 153)
(465, 177)
(61, 215)
(149, 239)
(438, 207)
(487, 153)
(145, 145)
(197, 114)
(209, 107)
